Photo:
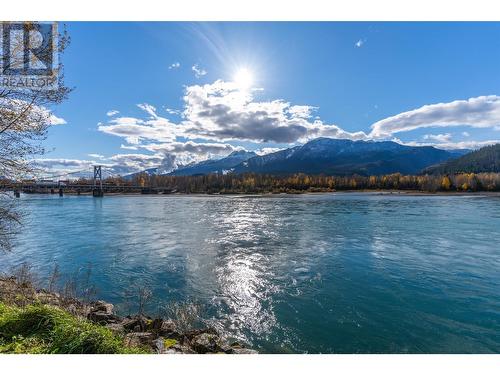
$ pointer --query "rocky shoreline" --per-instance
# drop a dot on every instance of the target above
(156, 334)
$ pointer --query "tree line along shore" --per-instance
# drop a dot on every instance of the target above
(252, 183)
(263, 183)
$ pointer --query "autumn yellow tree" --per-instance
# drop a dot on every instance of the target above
(445, 183)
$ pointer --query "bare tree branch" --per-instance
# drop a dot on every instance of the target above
(25, 116)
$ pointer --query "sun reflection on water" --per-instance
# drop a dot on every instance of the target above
(243, 271)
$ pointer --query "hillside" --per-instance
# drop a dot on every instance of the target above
(201, 168)
(340, 157)
(486, 159)
(345, 157)
(214, 165)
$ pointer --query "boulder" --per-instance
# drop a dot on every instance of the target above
(116, 327)
(138, 323)
(155, 324)
(237, 348)
(167, 327)
(196, 332)
(103, 317)
(159, 344)
(206, 343)
(243, 351)
(140, 339)
(179, 349)
(102, 306)
(163, 346)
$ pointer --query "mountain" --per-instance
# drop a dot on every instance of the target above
(486, 159)
(346, 157)
(214, 166)
(149, 172)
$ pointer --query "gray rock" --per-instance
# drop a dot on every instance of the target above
(167, 327)
(159, 344)
(206, 343)
(137, 323)
(116, 327)
(182, 349)
(103, 317)
(155, 324)
(103, 306)
(243, 351)
(140, 339)
(237, 348)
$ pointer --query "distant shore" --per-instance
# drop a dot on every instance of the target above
(266, 194)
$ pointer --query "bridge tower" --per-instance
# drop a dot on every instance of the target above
(97, 190)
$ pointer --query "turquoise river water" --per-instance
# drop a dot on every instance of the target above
(326, 273)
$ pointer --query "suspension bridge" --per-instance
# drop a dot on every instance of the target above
(95, 185)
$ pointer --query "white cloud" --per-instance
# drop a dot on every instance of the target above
(198, 72)
(172, 111)
(193, 147)
(359, 43)
(120, 164)
(62, 162)
(188, 152)
(438, 137)
(54, 120)
(221, 111)
(149, 109)
(450, 145)
(127, 147)
(112, 112)
(134, 130)
(175, 65)
(134, 158)
(63, 168)
(267, 150)
(479, 112)
(301, 111)
(466, 134)
(96, 156)
(123, 164)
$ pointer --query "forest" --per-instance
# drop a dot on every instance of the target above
(301, 183)
(486, 159)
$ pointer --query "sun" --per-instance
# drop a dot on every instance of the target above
(243, 78)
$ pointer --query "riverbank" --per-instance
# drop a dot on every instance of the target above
(41, 322)
(268, 194)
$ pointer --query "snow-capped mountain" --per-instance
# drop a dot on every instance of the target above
(214, 166)
(346, 157)
(324, 156)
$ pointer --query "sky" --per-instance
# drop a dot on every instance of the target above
(168, 94)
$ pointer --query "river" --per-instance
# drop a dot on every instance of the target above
(325, 273)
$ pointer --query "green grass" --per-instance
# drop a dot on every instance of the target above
(168, 343)
(44, 329)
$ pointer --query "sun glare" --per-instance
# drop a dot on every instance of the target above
(243, 78)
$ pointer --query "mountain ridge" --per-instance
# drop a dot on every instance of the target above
(214, 165)
(346, 157)
(326, 156)
(485, 159)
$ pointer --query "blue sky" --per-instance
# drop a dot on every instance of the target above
(171, 93)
